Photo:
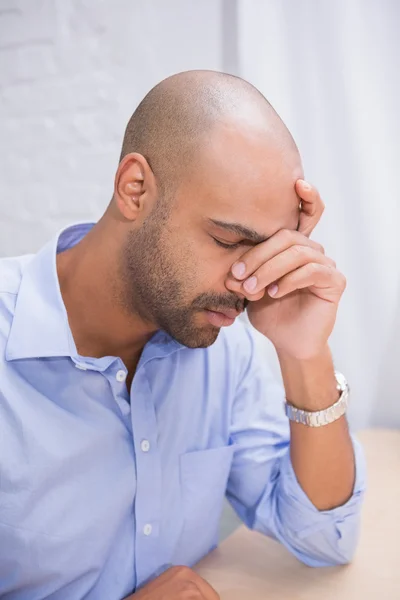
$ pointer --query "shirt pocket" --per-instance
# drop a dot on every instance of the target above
(204, 475)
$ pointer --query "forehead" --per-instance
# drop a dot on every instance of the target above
(247, 176)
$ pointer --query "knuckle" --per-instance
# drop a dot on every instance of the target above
(343, 281)
(300, 251)
(182, 572)
(330, 263)
(295, 250)
(286, 236)
(264, 271)
(190, 590)
(314, 267)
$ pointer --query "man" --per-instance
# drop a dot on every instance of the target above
(130, 401)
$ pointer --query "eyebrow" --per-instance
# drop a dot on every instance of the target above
(245, 232)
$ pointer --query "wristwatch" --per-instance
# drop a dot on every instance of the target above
(320, 418)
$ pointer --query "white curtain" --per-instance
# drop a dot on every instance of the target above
(72, 72)
(332, 71)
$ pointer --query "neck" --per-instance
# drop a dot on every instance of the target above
(92, 295)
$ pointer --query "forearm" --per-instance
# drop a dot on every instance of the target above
(322, 457)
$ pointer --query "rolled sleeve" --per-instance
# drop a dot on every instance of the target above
(263, 488)
(317, 538)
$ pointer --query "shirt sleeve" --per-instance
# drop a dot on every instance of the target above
(262, 486)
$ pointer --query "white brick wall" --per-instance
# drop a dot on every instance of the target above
(71, 73)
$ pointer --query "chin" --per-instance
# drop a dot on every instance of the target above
(198, 337)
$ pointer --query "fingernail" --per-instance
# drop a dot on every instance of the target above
(273, 289)
(239, 269)
(306, 186)
(250, 284)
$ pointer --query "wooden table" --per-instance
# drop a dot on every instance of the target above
(249, 566)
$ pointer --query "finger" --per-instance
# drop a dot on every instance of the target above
(324, 281)
(261, 253)
(282, 264)
(236, 286)
(312, 206)
(187, 575)
(208, 592)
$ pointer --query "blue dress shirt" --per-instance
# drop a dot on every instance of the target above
(99, 489)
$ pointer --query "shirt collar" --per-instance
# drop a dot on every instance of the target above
(40, 325)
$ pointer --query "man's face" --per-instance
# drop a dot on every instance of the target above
(176, 267)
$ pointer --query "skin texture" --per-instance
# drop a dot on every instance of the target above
(229, 174)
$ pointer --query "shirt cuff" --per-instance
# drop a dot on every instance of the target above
(301, 516)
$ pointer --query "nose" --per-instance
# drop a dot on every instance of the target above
(233, 285)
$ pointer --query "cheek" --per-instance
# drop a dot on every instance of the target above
(215, 266)
(185, 265)
(203, 267)
(214, 275)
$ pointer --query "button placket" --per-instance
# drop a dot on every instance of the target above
(119, 390)
(148, 474)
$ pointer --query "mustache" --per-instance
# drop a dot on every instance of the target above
(214, 301)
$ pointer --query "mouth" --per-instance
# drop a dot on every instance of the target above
(222, 318)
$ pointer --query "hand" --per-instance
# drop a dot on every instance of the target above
(296, 288)
(177, 583)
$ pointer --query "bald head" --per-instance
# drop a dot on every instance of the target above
(208, 169)
(176, 118)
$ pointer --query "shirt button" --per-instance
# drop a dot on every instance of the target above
(121, 376)
(145, 446)
(147, 529)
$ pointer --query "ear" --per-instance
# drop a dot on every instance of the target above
(135, 186)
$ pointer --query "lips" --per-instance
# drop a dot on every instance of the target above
(231, 313)
(221, 318)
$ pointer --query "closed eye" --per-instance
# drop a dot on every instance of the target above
(229, 246)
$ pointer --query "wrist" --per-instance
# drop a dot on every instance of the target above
(310, 384)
